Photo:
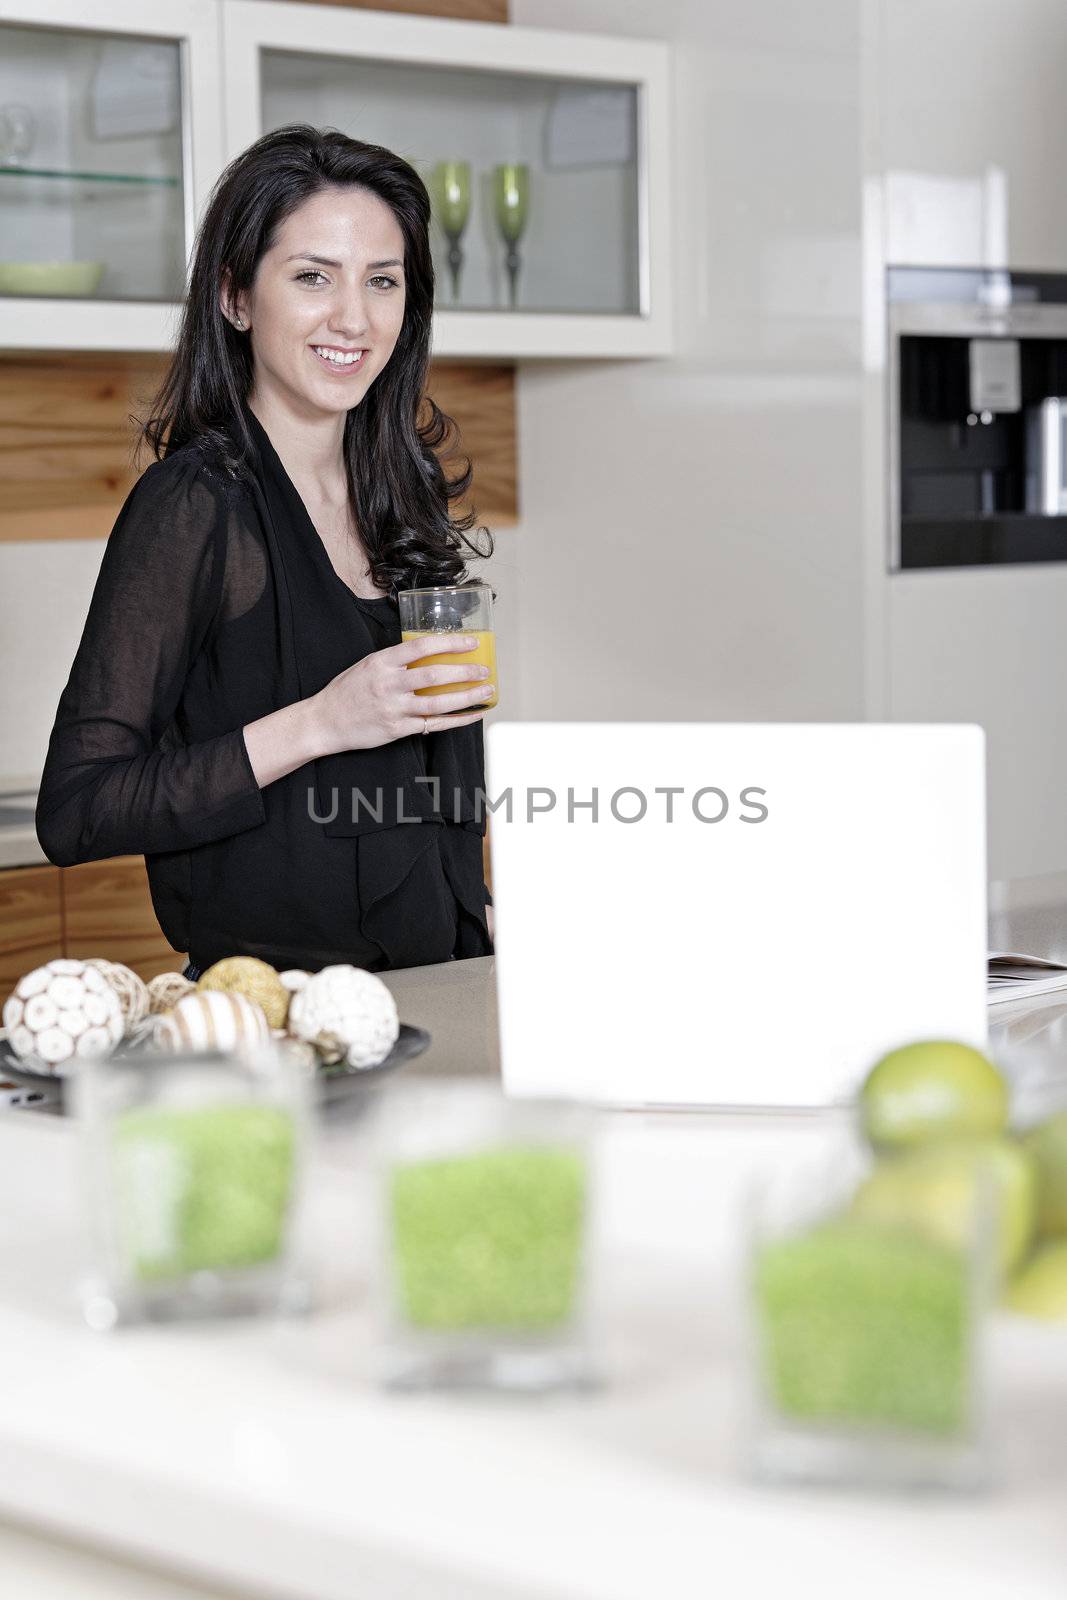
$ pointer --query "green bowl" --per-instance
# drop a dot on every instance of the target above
(50, 277)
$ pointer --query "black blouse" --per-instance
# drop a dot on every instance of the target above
(217, 603)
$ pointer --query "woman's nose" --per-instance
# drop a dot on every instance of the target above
(350, 314)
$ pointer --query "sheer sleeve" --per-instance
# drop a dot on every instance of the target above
(108, 787)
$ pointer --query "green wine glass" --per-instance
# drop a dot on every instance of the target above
(511, 200)
(450, 191)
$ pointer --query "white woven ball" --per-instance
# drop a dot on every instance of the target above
(213, 1019)
(346, 1011)
(61, 1012)
(167, 988)
(130, 988)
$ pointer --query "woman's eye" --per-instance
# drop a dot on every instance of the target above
(302, 277)
(384, 279)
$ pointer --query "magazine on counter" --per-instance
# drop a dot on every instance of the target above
(1015, 976)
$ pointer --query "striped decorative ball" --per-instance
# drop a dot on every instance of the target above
(212, 1019)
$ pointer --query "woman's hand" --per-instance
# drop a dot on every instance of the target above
(374, 702)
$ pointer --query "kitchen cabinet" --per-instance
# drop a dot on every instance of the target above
(115, 124)
(107, 911)
(31, 921)
(100, 908)
(584, 114)
(110, 136)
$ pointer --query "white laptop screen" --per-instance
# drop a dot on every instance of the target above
(732, 914)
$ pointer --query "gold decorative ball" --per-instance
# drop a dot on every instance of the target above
(256, 980)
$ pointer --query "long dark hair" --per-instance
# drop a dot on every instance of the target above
(401, 493)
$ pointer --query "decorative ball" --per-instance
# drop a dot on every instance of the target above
(298, 1050)
(131, 989)
(256, 980)
(346, 1012)
(167, 988)
(61, 1012)
(213, 1020)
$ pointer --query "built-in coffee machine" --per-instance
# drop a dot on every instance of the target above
(978, 417)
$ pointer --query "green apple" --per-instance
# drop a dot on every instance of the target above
(1040, 1288)
(934, 1190)
(933, 1089)
(1047, 1143)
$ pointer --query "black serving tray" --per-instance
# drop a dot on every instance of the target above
(346, 1086)
(337, 1086)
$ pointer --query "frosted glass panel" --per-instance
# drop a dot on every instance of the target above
(91, 198)
(580, 248)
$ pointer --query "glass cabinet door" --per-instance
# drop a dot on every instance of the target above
(546, 155)
(92, 192)
(534, 179)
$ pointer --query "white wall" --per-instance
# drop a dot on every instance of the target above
(690, 543)
(968, 139)
(706, 537)
(45, 588)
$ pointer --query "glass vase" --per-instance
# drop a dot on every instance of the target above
(866, 1333)
(193, 1166)
(483, 1224)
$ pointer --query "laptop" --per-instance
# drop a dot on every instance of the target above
(732, 914)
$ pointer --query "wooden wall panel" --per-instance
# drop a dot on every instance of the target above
(31, 922)
(66, 440)
(108, 912)
(465, 10)
(481, 400)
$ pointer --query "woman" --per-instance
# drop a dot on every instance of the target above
(241, 709)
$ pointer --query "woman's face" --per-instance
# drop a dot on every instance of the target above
(333, 281)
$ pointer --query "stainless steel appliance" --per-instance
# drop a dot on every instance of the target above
(977, 377)
(1046, 457)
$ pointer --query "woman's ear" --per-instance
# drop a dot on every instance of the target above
(232, 309)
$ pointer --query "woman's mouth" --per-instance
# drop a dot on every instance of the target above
(338, 360)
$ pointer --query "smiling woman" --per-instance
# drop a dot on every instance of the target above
(340, 312)
(242, 656)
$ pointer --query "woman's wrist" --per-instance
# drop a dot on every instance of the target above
(317, 734)
(286, 739)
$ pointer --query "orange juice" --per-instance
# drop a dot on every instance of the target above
(483, 654)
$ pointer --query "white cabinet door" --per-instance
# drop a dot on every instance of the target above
(973, 128)
(586, 116)
(110, 140)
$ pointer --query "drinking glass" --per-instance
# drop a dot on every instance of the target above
(463, 608)
(450, 191)
(17, 125)
(483, 1224)
(511, 197)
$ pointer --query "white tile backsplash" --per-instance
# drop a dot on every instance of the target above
(45, 589)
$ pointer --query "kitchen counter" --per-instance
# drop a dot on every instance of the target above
(259, 1458)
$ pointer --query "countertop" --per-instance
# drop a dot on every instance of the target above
(259, 1457)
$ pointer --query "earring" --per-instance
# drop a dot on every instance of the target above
(238, 323)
